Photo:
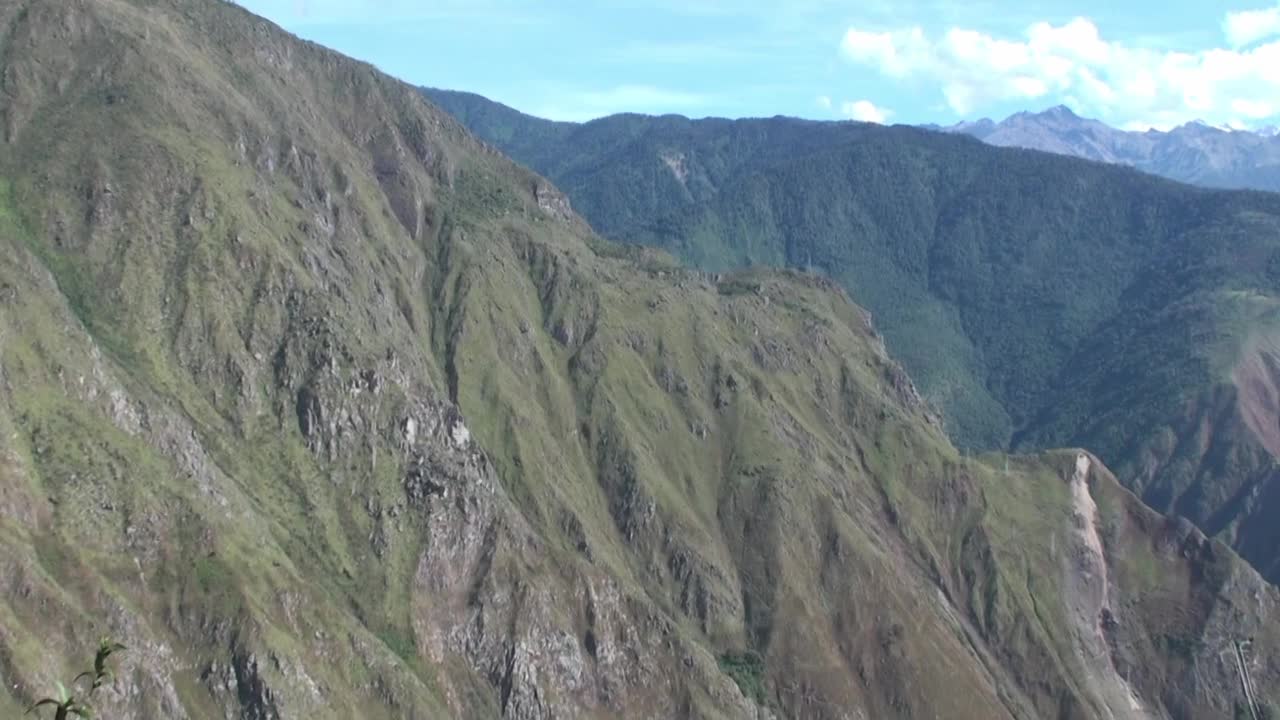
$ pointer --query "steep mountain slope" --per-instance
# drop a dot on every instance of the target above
(1039, 301)
(327, 410)
(1193, 153)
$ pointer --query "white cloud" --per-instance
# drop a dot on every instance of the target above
(865, 111)
(897, 53)
(1128, 84)
(1247, 27)
(824, 102)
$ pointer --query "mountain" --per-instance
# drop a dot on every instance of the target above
(1038, 301)
(325, 408)
(1194, 153)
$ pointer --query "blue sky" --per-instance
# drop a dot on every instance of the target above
(1135, 63)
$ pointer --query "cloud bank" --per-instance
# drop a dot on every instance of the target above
(1246, 27)
(1075, 63)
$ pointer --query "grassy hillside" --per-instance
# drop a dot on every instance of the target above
(325, 409)
(1038, 300)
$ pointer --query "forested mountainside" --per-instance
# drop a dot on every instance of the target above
(325, 409)
(1037, 300)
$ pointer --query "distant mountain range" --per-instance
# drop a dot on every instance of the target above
(1195, 153)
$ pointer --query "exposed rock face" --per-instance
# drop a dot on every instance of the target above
(326, 410)
(552, 201)
(1089, 601)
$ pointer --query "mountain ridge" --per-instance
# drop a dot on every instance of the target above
(1193, 152)
(327, 409)
(1002, 278)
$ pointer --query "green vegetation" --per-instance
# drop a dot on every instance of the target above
(329, 410)
(64, 705)
(67, 704)
(1037, 301)
(747, 670)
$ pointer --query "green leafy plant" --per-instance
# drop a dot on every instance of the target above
(66, 703)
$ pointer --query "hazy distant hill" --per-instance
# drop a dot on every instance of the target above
(1194, 153)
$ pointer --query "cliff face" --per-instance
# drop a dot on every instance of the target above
(326, 409)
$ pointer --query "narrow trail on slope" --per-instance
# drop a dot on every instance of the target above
(1246, 682)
